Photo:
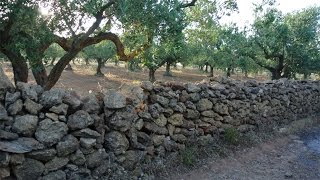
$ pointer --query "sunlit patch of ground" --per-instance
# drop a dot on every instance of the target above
(82, 78)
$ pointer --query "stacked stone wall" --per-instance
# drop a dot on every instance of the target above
(58, 135)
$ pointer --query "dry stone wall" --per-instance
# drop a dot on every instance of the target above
(58, 135)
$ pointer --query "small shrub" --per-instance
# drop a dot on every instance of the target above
(188, 156)
(231, 136)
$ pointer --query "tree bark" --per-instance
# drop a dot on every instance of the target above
(87, 61)
(100, 64)
(276, 74)
(167, 72)
(58, 68)
(19, 66)
(152, 76)
(211, 72)
(39, 72)
(52, 62)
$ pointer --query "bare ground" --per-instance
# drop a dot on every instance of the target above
(295, 156)
(82, 78)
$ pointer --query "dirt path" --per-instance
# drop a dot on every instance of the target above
(290, 157)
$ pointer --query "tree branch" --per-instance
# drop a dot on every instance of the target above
(192, 3)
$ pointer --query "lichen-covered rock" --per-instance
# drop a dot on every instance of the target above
(191, 114)
(49, 132)
(79, 120)
(147, 85)
(67, 145)
(159, 99)
(15, 108)
(222, 109)
(91, 104)
(25, 125)
(29, 169)
(61, 109)
(116, 142)
(52, 97)
(32, 107)
(132, 158)
(29, 91)
(11, 98)
(192, 88)
(176, 119)
(123, 119)
(204, 104)
(161, 120)
(152, 127)
(114, 100)
(3, 114)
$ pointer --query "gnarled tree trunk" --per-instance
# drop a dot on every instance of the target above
(167, 72)
(152, 76)
(100, 64)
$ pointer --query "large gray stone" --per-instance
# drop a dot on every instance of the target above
(192, 88)
(56, 163)
(132, 158)
(146, 85)
(159, 99)
(43, 155)
(67, 145)
(11, 98)
(122, 120)
(91, 104)
(176, 119)
(4, 172)
(20, 145)
(55, 175)
(32, 107)
(116, 142)
(72, 99)
(29, 169)
(25, 125)
(161, 120)
(8, 135)
(152, 127)
(49, 132)
(222, 109)
(29, 91)
(114, 100)
(15, 108)
(204, 104)
(78, 158)
(3, 113)
(5, 84)
(79, 120)
(61, 109)
(191, 114)
(52, 97)
(86, 133)
(95, 159)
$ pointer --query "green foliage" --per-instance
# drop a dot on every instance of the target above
(189, 156)
(104, 50)
(231, 136)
